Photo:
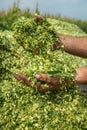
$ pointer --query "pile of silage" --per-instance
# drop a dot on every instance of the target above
(8, 48)
(35, 36)
(32, 44)
(66, 28)
(27, 49)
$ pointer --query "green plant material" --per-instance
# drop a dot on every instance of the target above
(66, 28)
(7, 48)
(24, 107)
(36, 37)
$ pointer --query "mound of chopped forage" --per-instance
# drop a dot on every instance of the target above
(27, 50)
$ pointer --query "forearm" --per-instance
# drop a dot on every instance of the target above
(75, 45)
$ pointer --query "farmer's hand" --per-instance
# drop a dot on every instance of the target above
(47, 82)
(58, 44)
(81, 75)
(23, 78)
(54, 80)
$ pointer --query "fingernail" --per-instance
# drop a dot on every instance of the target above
(37, 76)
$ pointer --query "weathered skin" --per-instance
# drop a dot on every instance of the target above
(75, 45)
(23, 78)
(46, 82)
(81, 75)
(78, 47)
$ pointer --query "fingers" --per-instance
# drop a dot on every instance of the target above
(23, 78)
(48, 82)
(53, 80)
(81, 75)
(55, 46)
(38, 18)
(46, 87)
(42, 77)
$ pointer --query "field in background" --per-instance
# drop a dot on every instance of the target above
(7, 18)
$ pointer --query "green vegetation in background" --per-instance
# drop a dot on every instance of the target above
(66, 28)
(82, 24)
(9, 17)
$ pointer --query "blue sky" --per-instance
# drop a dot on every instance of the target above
(72, 9)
